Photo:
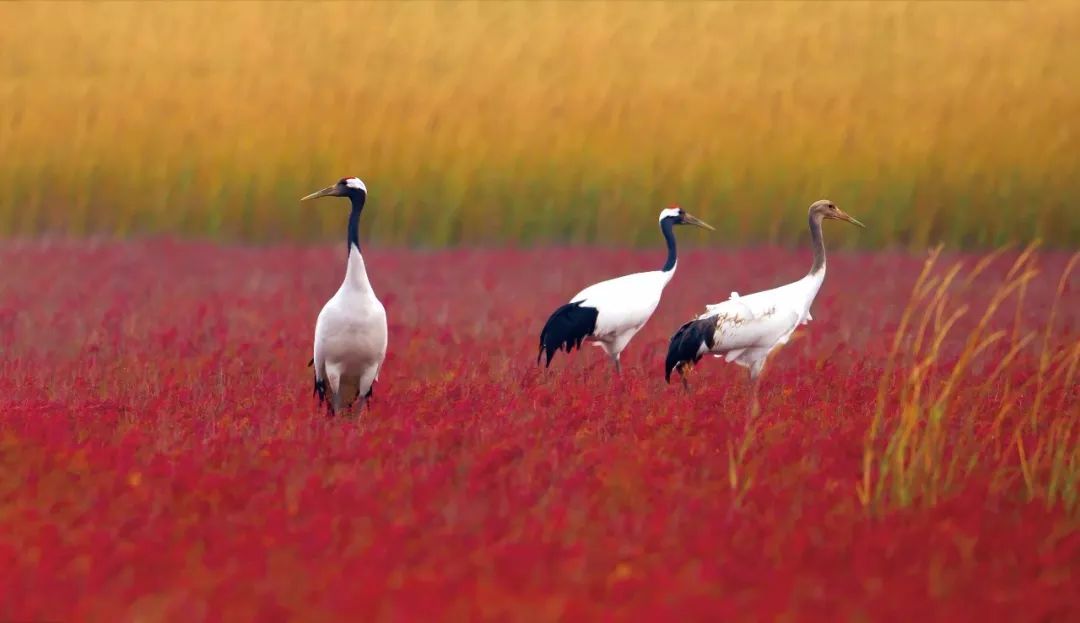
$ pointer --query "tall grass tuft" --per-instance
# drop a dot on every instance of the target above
(942, 416)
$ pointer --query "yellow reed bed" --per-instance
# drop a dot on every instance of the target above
(955, 122)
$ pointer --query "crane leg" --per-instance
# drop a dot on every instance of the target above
(755, 384)
(618, 366)
(684, 372)
(333, 379)
(321, 390)
(364, 401)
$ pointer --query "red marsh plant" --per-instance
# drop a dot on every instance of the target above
(914, 456)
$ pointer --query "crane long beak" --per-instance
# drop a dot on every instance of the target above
(690, 219)
(329, 191)
(844, 216)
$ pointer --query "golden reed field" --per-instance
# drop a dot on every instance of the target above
(521, 123)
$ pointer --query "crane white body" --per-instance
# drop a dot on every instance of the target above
(623, 306)
(351, 336)
(610, 313)
(749, 328)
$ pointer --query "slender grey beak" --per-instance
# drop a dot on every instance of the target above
(329, 191)
(844, 216)
(690, 219)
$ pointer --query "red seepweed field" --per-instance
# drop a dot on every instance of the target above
(161, 456)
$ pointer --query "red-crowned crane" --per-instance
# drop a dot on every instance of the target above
(350, 333)
(611, 312)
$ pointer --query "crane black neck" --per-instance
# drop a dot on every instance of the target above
(357, 198)
(818, 243)
(667, 226)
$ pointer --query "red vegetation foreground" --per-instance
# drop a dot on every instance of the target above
(161, 457)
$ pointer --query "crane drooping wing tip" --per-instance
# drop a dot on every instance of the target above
(688, 344)
(541, 352)
(567, 328)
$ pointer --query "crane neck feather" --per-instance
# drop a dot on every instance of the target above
(666, 226)
(818, 244)
(357, 200)
(356, 277)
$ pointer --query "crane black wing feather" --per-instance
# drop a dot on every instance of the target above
(689, 343)
(567, 328)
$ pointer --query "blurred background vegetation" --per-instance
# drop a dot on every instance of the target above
(536, 123)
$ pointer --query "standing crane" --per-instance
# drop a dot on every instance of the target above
(745, 329)
(609, 313)
(350, 333)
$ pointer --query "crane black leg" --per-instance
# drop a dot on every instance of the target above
(365, 402)
(319, 389)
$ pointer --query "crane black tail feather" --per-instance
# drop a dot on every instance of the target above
(688, 344)
(567, 328)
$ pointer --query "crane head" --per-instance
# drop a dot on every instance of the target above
(345, 187)
(824, 209)
(677, 216)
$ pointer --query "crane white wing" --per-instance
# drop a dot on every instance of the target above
(762, 320)
(740, 326)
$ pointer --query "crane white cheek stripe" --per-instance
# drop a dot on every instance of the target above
(665, 213)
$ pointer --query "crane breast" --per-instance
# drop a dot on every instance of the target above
(351, 335)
